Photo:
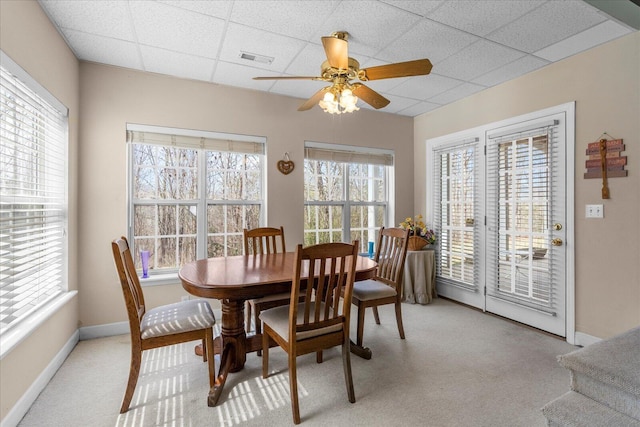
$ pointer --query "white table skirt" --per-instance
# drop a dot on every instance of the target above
(419, 277)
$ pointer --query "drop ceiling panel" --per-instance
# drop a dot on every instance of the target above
(299, 19)
(176, 64)
(419, 108)
(476, 60)
(103, 18)
(425, 87)
(170, 28)
(104, 50)
(482, 17)
(216, 8)
(456, 93)
(230, 74)
(427, 39)
(510, 71)
(548, 24)
(419, 7)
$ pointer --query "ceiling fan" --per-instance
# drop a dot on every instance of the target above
(339, 69)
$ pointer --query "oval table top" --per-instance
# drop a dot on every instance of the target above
(243, 277)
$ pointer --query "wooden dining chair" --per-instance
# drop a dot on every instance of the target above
(386, 286)
(160, 326)
(260, 241)
(321, 320)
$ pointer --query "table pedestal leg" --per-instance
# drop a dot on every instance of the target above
(234, 342)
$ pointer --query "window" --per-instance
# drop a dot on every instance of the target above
(33, 199)
(192, 193)
(347, 193)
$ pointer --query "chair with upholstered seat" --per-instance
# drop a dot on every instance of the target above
(385, 287)
(260, 241)
(160, 326)
(321, 320)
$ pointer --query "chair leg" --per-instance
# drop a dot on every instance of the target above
(210, 356)
(247, 309)
(265, 356)
(257, 325)
(375, 314)
(399, 318)
(360, 333)
(293, 387)
(346, 363)
(134, 370)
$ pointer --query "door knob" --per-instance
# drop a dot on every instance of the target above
(557, 226)
(556, 242)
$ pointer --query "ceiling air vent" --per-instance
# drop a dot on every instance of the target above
(256, 58)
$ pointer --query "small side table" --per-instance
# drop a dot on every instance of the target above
(419, 277)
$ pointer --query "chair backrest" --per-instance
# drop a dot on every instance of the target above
(133, 296)
(264, 240)
(331, 267)
(390, 255)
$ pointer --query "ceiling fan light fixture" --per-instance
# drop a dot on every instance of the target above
(338, 100)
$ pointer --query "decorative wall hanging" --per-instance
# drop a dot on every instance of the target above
(286, 166)
(605, 161)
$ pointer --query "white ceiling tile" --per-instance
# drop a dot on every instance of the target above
(308, 61)
(104, 18)
(548, 24)
(365, 34)
(419, 7)
(482, 17)
(241, 76)
(104, 50)
(245, 39)
(587, 39)
(424, 87)
(427, 39)
(215, 8)
(510, 71)
(419, 108)
(299, 19)
(458, 92)
(397, 103)
(298, 88)
(180, 30)
(176, 64)
(476, 59)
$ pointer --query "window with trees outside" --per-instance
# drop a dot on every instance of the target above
(347, 193)
(192, 193)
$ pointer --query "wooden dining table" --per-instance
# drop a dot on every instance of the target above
(235, 279)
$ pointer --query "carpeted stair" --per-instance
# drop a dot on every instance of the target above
(605, 385)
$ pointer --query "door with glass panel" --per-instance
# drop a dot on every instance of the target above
(499, 204)
(526, 220)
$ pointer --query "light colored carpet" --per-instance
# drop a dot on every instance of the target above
(456, 367)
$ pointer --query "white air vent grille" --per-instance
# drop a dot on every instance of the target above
(256, 58)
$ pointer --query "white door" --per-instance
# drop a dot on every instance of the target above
(500, 209)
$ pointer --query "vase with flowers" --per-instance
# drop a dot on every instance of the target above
(419, 234)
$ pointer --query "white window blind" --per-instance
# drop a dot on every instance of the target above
(520, 202)
(33, 202)
(456, 214)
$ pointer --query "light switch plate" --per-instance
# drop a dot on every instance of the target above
(594, 211)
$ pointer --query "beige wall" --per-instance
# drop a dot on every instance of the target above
(605, 84)
(112, 97)
(27, 36)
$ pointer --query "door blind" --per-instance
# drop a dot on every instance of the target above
(520, 169)
(456, 215)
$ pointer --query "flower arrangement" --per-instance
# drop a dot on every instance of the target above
(419, 228)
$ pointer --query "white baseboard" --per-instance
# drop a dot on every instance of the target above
(29, 397)
(584, 340)
(106, 330)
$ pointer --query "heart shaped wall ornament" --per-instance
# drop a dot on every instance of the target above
(286, 166)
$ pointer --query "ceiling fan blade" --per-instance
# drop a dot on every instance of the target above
(311, 102)
(370, 96)
(288, 78)
(418, 67)
(337, 52)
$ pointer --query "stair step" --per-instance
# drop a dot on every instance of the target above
(576, 410)
(609, 372)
